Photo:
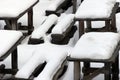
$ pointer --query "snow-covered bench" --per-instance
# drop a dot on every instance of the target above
(9, 40)
(60, 30)
(97, 47)
(63, 30)
(40, 33)
(48, 57)
(12, 10)
(58, 6)
(97, 10)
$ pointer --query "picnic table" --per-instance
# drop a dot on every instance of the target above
(12, 10)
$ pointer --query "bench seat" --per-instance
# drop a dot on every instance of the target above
(63, 30)
(43, 30)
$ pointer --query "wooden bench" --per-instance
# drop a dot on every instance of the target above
(44, 29)
(49, 28)
(63, 30)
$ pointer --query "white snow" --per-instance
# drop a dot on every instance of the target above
(41, 30)
(117, 0)
(8, 39)
(55, 4)
(63, 24)
(25, 52)
(13, 8)
(96, 45)
(95, 9)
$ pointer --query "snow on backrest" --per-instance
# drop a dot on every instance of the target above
(55, 4)
(41, 30)
(95, 9)
(63, 24)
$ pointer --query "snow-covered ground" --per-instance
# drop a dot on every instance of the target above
(25, 53)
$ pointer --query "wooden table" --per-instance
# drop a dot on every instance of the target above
(12, 10)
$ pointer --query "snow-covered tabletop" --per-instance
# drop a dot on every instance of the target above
(96, 45)
(95, 9)
(13, 8)
(8, 39)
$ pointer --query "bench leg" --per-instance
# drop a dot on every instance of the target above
(30, 21)
(14, 61)
(77, 70)
(115, 69)
(107, 74)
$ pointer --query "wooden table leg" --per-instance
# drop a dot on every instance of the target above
(77, 70)
(14, 24)
(113, 24)
(30, 21)
(115, 69)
